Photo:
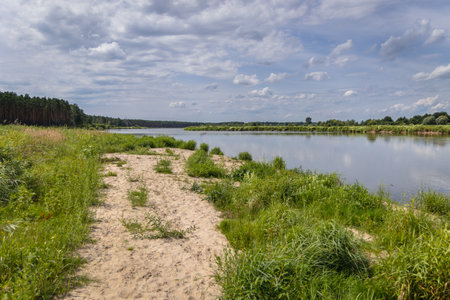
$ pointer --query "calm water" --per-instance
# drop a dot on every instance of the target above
(401, 164)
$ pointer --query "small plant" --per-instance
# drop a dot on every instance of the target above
(197, 188)
(138, 197)
(278, 163)
(104, 186)
(154, 228)
(170, 152)
(121, 163)
(245, 156)
(204, 147)
(434, 203)
(133, 179)
(111, 174)
(216, 150)
(163, 166)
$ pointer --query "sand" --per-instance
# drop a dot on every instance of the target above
(125, 267)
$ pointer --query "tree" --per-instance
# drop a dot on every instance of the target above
(308, 120)
(442, 120)
(430, 120)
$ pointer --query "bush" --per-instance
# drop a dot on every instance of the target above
(204, 147)
(216, 150)
(245, 156)
(190, 145)
(199, 164)
(278, 163)
(433, 202)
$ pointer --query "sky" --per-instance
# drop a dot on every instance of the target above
(217, 60)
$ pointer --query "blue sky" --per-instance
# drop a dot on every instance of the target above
(274, 60)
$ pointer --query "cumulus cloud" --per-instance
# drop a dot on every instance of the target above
(341, 48)
(264, 93)
(421, 33)
(428, 101)
(275, 77)
(107, 50)
(317, 76)
(437, 35)
(440, 72)
(350, 93)
(305, 96)
(246, 79)
(335, 56)
(178, 104)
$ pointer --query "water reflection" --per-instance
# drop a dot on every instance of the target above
(402, 164)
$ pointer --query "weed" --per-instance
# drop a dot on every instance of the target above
(197, 188)
(138, 197)
(121, 163)
(163, 166)
(111, 174)
(433, 202)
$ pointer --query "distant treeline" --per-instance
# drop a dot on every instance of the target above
(23, 109)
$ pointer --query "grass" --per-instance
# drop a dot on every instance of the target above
(245, 156)
(216, 150)
(155, 228)
(139, 196)
(163, 166)
(200, 164)
(290, 231)
(111, 174)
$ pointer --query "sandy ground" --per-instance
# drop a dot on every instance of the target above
(125, 267)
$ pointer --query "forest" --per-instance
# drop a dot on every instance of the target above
(23, 109)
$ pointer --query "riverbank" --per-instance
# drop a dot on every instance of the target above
(378, 129)
(293, 233)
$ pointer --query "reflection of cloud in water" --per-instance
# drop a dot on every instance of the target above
(434, 180)
(347, 160)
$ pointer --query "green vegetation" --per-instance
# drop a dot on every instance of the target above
(216, 150)
(155, 228)
(200, 164)
(139, 196)
(300, 235)
(204, 147)
(48, 180)
(245, 156)
(163, 166)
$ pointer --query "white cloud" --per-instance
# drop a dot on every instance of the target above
(317, 76)
(422, 32)
(305, 96)
(400, 93)
(275, 77)
(341, 48)
(246, 79)
(264, 92)
(350, 93)
(178, 104)
(109, 50)
(436, 35)
(428, 101)
(440, 72)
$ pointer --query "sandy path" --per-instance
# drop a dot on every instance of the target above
(125, 267)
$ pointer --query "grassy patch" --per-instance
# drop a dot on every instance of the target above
(163, 166)
(245, 156)
(216, 150)
(290, 234)
(199, 164)
(139, 196)
(111, 174)
(155, 228)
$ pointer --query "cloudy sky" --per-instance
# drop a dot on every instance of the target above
(217, 60)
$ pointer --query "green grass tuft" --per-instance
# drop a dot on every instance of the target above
(138, 197)
(163, 166)
(199, 164)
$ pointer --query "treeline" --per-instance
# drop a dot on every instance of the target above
(438, 118)
(23, 109)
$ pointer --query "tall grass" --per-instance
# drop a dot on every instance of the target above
(292, 232)
(48, 180)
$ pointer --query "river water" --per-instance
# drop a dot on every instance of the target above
(402, 165)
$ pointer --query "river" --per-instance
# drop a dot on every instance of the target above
(402, 165)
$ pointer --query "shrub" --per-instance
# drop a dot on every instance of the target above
(163, 166)
(433, 202)
(245, 156)
(190, 145)
(199, 164)
(278, 163)
(216, 150)
(204, 147)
